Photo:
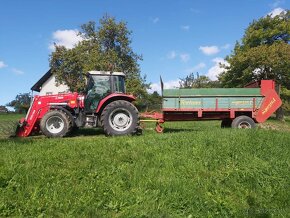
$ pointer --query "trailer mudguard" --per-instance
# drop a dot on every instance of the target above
(270, 103)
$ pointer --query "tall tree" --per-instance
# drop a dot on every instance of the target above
(21, 103)
(192, 81)
(105, 47)
(154, 101)
(263, 53)
(3, 109)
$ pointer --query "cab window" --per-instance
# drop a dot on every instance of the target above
(118, 84)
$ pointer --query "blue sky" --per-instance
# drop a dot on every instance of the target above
(174, 37)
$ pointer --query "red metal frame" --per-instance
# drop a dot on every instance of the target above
(42, 104)
(112, 97)
(270, 103)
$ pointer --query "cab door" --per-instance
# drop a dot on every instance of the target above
(99, 86)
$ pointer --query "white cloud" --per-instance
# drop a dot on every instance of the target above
(226, 46)
(184, 57)
(186, 27)
(214, 71)
(17, 71)
(276, 12)
(171, 55)
(209, 50)
(173, 84)
(155, 87)
(196, 68)
(155, 20)
(66, 38)
(2, 64)
(276, 3)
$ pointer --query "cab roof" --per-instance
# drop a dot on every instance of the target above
(106, 73)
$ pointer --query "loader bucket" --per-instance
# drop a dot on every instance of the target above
(8, 128)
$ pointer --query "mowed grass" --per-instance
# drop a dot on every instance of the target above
(193, 169)
(8, 124)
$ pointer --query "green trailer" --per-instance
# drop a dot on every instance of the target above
(235, 107)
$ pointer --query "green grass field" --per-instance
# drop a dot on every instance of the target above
(193, 169)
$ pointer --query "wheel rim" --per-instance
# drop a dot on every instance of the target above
(55, 124)
(244, 125)
(120, 119)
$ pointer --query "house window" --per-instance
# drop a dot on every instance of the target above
(61, 92)
(48, 93)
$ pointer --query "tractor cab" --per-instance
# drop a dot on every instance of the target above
(100, 84)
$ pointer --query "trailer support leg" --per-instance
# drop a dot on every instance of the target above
(159, 128)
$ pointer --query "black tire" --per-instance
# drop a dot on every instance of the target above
(56, 123)
(243, 122)
(120, 118)
(226, 123)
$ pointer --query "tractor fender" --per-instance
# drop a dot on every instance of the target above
(56, 107)
(113, 97)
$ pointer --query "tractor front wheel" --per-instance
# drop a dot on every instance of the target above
(55, 123)
(120, 118)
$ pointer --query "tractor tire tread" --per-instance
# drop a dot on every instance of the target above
(238, 120)
(67, 119)
(118, 104)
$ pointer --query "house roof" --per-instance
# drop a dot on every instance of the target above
(37, 86)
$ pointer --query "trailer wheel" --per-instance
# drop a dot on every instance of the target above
(120, 118)
(55, 123)
(226, 123)
(243, 122)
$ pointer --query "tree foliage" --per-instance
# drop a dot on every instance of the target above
(192, 81)
(261, 62)
(154, 102)
(285, 95)
(21, 103)
(3, 109)
(106, 47)
(264, 53)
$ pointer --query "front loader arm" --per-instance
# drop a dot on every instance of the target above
(29, 123)
(40, 106)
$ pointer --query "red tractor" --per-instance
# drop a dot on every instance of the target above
(104, 105)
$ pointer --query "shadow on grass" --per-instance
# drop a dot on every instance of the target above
(87, 132)
(83, 132)
(173, 130)
(29, 139)
(16, 140)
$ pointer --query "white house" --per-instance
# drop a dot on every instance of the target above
(46, 85)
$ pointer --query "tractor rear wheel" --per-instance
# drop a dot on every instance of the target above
(243, 122)
(120, 118)
(55, 123)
